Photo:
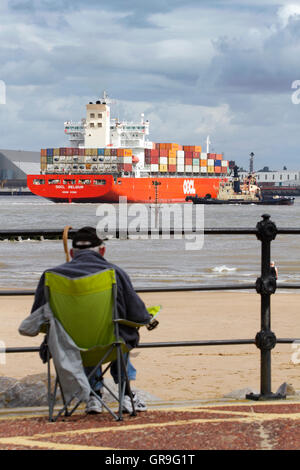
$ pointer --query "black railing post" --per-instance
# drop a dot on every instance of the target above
(265, 339)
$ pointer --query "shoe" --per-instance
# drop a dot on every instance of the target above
(93, 406)
(139, 405)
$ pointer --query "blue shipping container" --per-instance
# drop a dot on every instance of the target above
(218, 162)
(100, 151)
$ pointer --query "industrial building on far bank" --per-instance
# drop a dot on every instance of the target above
(15, 165)
(275, 177)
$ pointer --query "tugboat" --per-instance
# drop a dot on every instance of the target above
(232, 192)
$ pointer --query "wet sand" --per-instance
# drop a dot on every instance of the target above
(186, 372)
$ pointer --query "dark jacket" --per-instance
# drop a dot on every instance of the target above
(130, 306)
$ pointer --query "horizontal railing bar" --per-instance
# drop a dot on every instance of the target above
(196, 288)
(51, 234)
(210, 342)
(156, 345)
(287, 340)
(8, 293)
(223, 342)
(20, 350)
(5, 293)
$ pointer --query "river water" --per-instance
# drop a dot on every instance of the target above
(170, 262)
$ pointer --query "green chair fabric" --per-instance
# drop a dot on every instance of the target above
(85, 307)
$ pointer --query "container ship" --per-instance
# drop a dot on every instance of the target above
(108, 159)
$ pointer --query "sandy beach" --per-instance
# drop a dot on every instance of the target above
(186, 372)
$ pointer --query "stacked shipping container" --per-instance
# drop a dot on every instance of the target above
(173, 158)
(164, 158)
(101, 160)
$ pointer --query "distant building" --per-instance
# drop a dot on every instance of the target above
(15, 165)
(278, 177)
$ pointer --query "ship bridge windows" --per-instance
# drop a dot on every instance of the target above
(99, 182)
(84, 181)
(38, 181)
(54, 181)
(69, 181)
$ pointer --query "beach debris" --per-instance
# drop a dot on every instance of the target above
(286, 389)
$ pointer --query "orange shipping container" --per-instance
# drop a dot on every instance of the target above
(203, 162)
(123, 152)
(172, 153)
(192, 148)
(43, 152)
(172, 146)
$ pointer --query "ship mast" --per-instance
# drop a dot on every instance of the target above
(208, 142)
(251, 164)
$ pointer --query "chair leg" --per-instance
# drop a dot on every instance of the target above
(50, 396)
(53, 398)
(120, 388)
(128, 383)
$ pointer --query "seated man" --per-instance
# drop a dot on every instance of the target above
(87, 258)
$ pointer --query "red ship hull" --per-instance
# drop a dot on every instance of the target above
(103, 188)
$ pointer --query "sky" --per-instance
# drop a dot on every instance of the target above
(223, 68)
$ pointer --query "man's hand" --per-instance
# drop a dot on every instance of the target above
(152, 324)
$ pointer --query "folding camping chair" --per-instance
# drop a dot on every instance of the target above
(86, 308)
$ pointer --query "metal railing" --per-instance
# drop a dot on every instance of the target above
(266, 285)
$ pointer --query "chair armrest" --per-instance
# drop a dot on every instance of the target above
(132, 324)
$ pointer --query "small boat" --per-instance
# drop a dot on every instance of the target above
(232, 192)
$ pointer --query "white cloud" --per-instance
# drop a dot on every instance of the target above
(286, 12)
